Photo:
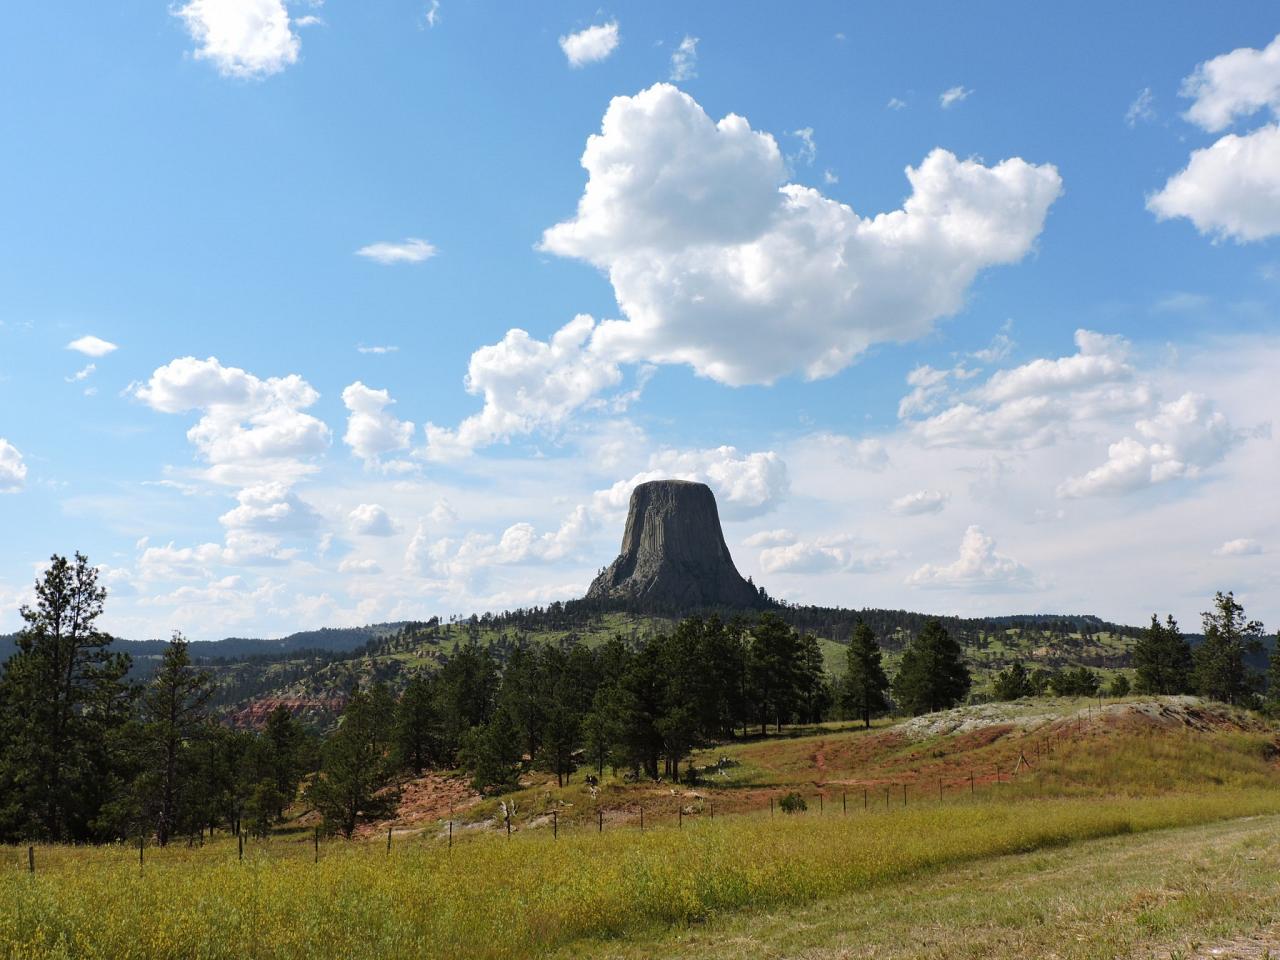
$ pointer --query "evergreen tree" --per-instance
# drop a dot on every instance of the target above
(865, 684)
(354, 781)
(1220, 671)
(1012, 683)
(932, 675)
(172, 713)
(287, 741)
(417, 727)
(63, 696)
(491, 752)
(773, 670)
(1079, 682)
(814, 690)
(1273, 677)
(1162, 659)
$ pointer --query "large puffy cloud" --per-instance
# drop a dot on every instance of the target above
(13, 470)
(250, 429)
(527, 385)
(744, 485)
(1183, 438)
(371, 430)
(978, 567)
(243, 38)
(719, 263)
(1230, 189)
(1234, 85)
(270, 506)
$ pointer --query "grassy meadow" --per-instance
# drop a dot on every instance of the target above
(1120, 773)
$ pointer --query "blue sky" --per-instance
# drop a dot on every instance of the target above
(1037, 376)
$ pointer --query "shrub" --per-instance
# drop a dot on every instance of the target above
(794, 803)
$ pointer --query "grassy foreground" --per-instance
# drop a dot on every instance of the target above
(497, 898)
(1193, 893)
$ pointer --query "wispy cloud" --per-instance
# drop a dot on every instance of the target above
(684, 60)
(1141, 108)
(410, 250)
(950, 97)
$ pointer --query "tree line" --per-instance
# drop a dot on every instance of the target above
(87, 754)
(1165, 662)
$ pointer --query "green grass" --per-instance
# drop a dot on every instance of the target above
(494, 898)
(1200, 891)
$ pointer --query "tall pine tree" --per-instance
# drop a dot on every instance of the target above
(862, 693)
(932, 675)
(62, 697)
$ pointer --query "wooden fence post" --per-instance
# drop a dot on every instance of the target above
(555, 825)
(939, 789)
(31, 860)
(241, 837)
(865, 801)
(642, 818)
(680, 811)
(599, 821)
(316, 840)
(971, 787)
(904, 794)
(140, 843)
(450, 836)
(844, 801)
(770, 806)
(820, 807)
(388, 839)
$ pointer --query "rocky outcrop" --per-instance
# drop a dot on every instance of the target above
(674, 558)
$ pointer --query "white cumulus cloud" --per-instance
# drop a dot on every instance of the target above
(249, 427)
(1183, 438)
(1233, 85)
(717, 262)
(13, 470)
(1230, 189)
(978, 567)
(745, 485)
(92, 346)
(590, 45)
(243, 38)
(527, 385)
(371, 520)
(371, 430)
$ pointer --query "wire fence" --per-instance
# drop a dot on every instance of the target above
(1019, 774)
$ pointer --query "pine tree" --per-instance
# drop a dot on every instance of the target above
(1162, 659)
(865, 683)
(63, 696)
(287, 740)
(354, 782)
(417, 727)
(1012, 683)
(932, 675)
(773, 669)
(1220, 670)
(172, 713)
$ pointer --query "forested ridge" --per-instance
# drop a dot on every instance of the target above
(90, 753)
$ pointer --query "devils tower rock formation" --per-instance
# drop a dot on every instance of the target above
(673, 555)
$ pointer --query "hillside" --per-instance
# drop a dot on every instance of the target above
(314, 685)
